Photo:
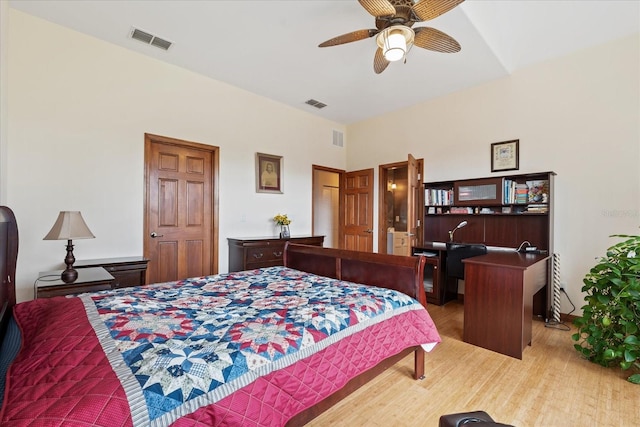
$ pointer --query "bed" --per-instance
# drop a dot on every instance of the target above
(273, 346)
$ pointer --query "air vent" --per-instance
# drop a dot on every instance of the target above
(338, 138)
(150, 39)
(315, 103)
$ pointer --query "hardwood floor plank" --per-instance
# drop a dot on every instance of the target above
(551, 386)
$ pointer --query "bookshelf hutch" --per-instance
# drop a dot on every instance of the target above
(501, 211)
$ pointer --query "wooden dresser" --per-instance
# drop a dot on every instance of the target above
(249, 253)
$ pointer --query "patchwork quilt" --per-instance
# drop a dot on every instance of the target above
(248, 348)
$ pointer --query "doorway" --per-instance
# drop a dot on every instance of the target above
(180, 210)
(346, 213)
(326, 205)
(400, 206)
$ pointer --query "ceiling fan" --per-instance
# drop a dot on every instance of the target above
(394, 35)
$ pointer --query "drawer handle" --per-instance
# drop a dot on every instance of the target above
(258, 256)
(278, 253)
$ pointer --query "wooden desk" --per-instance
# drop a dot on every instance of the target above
(498, 299)
(91, 279)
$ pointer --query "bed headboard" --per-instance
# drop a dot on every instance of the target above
(8, 259)
(401, 273)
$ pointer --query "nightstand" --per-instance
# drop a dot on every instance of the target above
(89, 280)
(127, 271)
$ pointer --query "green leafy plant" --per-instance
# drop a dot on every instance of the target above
(609, 327)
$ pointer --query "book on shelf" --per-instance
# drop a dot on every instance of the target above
(538, 208)
(438, 197)
(459, 210)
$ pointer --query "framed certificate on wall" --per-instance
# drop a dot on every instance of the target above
(505, 156)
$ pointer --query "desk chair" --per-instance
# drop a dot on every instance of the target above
(456, 252)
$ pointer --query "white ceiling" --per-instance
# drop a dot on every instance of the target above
(269, 47)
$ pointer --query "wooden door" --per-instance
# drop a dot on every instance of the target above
(180, 201)
(358, 211)
(413, 203)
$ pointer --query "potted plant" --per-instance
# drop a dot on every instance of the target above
(608, 330)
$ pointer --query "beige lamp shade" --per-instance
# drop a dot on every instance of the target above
(69, 226)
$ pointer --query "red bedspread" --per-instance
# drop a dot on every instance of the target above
(63, 377)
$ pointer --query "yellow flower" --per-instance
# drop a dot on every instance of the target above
(282, 219)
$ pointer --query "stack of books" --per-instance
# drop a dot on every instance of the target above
(522, 193)
(538, 208)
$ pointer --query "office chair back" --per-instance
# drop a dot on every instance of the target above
(456, 252)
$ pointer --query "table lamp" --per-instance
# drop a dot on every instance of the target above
(451, 232)
(69, 226)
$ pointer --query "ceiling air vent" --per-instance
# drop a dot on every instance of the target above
(150, 39)
(315, 103)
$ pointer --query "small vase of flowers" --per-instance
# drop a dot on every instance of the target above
(283, 221)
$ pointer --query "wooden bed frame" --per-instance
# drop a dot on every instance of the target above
(400, 273)
(395, 272)
(8, 259)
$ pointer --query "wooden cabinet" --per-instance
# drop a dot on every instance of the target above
(433, 275)
(250, 253)
(500, 211)
(498, 309)
(92, 279)
(127, 271)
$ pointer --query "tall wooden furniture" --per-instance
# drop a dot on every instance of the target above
(127, 271)
(503, 211)
(498, 303)
(249, 253)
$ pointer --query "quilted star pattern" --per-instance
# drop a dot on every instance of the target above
(248, 348)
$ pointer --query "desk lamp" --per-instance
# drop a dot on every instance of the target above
(462, 224)
(68, 226)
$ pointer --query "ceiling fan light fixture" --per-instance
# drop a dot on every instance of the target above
(395, 42)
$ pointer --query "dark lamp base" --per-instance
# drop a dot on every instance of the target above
(69, 275)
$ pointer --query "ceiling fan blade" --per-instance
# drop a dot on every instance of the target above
(378, 7)
(349, 37)
(379, 62)
(429, 9)
(432, 39)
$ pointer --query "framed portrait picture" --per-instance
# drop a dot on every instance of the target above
(268, 173)
(505, 156)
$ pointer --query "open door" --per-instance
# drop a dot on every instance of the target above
(400, 205)
(414, 192)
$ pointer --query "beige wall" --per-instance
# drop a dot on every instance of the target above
(78, 111)
(578, 116)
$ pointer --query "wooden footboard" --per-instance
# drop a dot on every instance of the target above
(404, 274)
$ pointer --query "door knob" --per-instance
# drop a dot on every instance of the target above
(154, 234)
(368, 231)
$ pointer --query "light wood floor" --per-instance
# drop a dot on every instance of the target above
(551, 386)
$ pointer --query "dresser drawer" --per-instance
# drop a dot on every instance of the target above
(265, 254)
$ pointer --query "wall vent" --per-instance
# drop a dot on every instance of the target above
(315, 103)
(150, 39)
(338, 138)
